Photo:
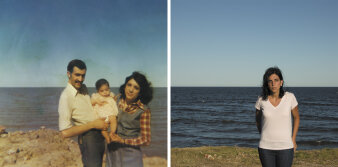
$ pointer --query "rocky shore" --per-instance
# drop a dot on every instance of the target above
(45, 147)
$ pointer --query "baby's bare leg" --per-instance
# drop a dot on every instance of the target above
(106, 136)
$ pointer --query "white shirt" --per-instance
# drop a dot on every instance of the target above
(74, 108)
(276, 122)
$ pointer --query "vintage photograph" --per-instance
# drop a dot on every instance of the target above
(83, 83)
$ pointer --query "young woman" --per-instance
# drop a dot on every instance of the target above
(274, 109)
(133, 123)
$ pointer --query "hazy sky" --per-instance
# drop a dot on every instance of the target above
(233, 42)
(39, 37)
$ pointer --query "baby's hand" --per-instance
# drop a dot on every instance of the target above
(108, 140)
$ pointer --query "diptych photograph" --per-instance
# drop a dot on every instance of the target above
(168, 83)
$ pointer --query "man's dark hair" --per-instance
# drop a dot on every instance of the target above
(76, 63)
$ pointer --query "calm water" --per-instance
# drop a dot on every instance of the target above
(29, 108)
(226, 116)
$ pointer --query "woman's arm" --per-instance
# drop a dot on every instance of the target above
(259, 120)
(144, 138)
(296, 119)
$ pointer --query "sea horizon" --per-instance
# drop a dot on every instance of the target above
(225, 116)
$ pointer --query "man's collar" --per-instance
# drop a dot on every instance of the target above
(83, 90)
(71, 89)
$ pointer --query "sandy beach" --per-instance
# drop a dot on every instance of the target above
(240, 156)
(45, 147)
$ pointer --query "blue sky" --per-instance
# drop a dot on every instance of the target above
(233, 42)
(38, 38)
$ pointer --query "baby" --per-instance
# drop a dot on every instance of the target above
(105, 106)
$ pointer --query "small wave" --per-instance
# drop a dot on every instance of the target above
(318, 143)
(175, 134)
(317, 104)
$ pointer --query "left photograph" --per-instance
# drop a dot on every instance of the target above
(83, 83)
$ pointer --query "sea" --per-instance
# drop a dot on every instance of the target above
(225, 116)
(24, 109)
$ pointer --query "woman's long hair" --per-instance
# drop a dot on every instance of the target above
(146, 91)
(265, 88)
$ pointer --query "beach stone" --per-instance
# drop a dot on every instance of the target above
(2, 129)
(42, 127)
(10, 160)
(11, 151)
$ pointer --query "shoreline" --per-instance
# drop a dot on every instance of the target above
(46, 147)
(244, 156)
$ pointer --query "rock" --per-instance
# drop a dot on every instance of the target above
(10, 160)
(208, 156)
(48, 148)
(11, 151)
(2, 129)
(42, 127)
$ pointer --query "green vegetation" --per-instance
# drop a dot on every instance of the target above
(241, 156)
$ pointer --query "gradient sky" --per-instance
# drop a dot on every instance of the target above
(39, 37)
(233, 42)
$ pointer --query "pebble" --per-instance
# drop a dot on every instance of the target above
(2, 129)
(43, 127)
(10, 160)
(11, 151)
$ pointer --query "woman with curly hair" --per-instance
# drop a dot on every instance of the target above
(274, 109)
(133, 123)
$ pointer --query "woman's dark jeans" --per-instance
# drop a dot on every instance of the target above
(276, 158)
(92, 148)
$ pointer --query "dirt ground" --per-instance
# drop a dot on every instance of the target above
(45, 147)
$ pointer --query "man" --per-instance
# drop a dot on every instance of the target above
(77, 118)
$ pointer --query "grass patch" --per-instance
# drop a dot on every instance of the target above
(241, 156)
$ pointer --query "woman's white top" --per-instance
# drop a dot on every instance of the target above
(276, 122)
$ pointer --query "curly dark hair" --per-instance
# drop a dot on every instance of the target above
(146, 90)
(265, 88)
(76, 63)
(101, 82)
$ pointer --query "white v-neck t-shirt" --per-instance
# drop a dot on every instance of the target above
(276, 122)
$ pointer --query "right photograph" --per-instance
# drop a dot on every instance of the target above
(254, 83)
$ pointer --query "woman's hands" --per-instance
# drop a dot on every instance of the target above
(116, 138)
(296, 119)
(294, 145)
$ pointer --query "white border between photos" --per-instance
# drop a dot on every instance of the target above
(168, 83)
